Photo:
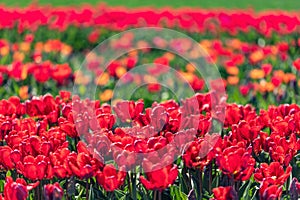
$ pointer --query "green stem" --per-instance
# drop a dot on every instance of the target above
(133, 182)
(87, 188)
(129, 183)
(200, 184)
(155, 195)
(210, 178)
(159, 195)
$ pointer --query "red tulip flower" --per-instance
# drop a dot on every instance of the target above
(17, 190)
(274, 171)
(267, 68)
(36, 168)
(53, 192)
(236, 162)
(296, 63)
(127, 111)
(160, 179)
(109, 178)
(269, 190)
(198, 154)
(225, 193)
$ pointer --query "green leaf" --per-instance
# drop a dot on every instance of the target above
(91, 193)
(176, 193)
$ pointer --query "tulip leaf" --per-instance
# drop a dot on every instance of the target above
(91, 193)
(2, 182)
(176, 193)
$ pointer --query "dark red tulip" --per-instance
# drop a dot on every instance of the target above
(53, 192)
(225, 193)
(17, 190)
(269, 190)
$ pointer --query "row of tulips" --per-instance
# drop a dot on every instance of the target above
(64, 146)
(119, 18)
(247, 69)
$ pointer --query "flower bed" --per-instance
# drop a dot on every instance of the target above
(57, 145)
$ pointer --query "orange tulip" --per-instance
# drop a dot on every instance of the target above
(232, 70)
(106, 95)
(25, 46)
(23, 92)
(256, 56)
(233, 80)
(103, 79)
(190, 68)
(257, 74)
(120, 71)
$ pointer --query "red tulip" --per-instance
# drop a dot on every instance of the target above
(296, 63)
(109, 178)
(159, 178)
(62, 73)
(17, 190)
(236, 162)
(198, 155)
(267, 68)
(36, 168)
(244, 90)
(9, 158)
(154, 87)
(225, 193)
(274, 171)
(42, 72)
(81, 165)
(53, 192)
(269, 190)
(127, 111)
(93, 36)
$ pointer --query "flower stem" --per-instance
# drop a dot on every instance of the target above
(200, 184)
(159, 195)
(133, 182)
(155, 195)
(210, 178)
(87, 188)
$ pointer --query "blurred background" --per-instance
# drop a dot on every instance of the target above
(232, 4)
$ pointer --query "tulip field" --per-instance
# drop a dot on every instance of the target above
(101, 102)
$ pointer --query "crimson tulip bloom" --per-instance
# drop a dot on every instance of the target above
(296, 63)
(53, 192)
(225, 193)
(160, 179)
(109, 178)
(127, 111)
(8, 157)
(17, 190)
(198, 154)
(236, 162)
(269, 190)
(274, 170)
(36, 168)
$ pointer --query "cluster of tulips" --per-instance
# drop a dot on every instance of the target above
(43, 47)
(64, 146)
(118, 18)
(247, 68)
(57, 145)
